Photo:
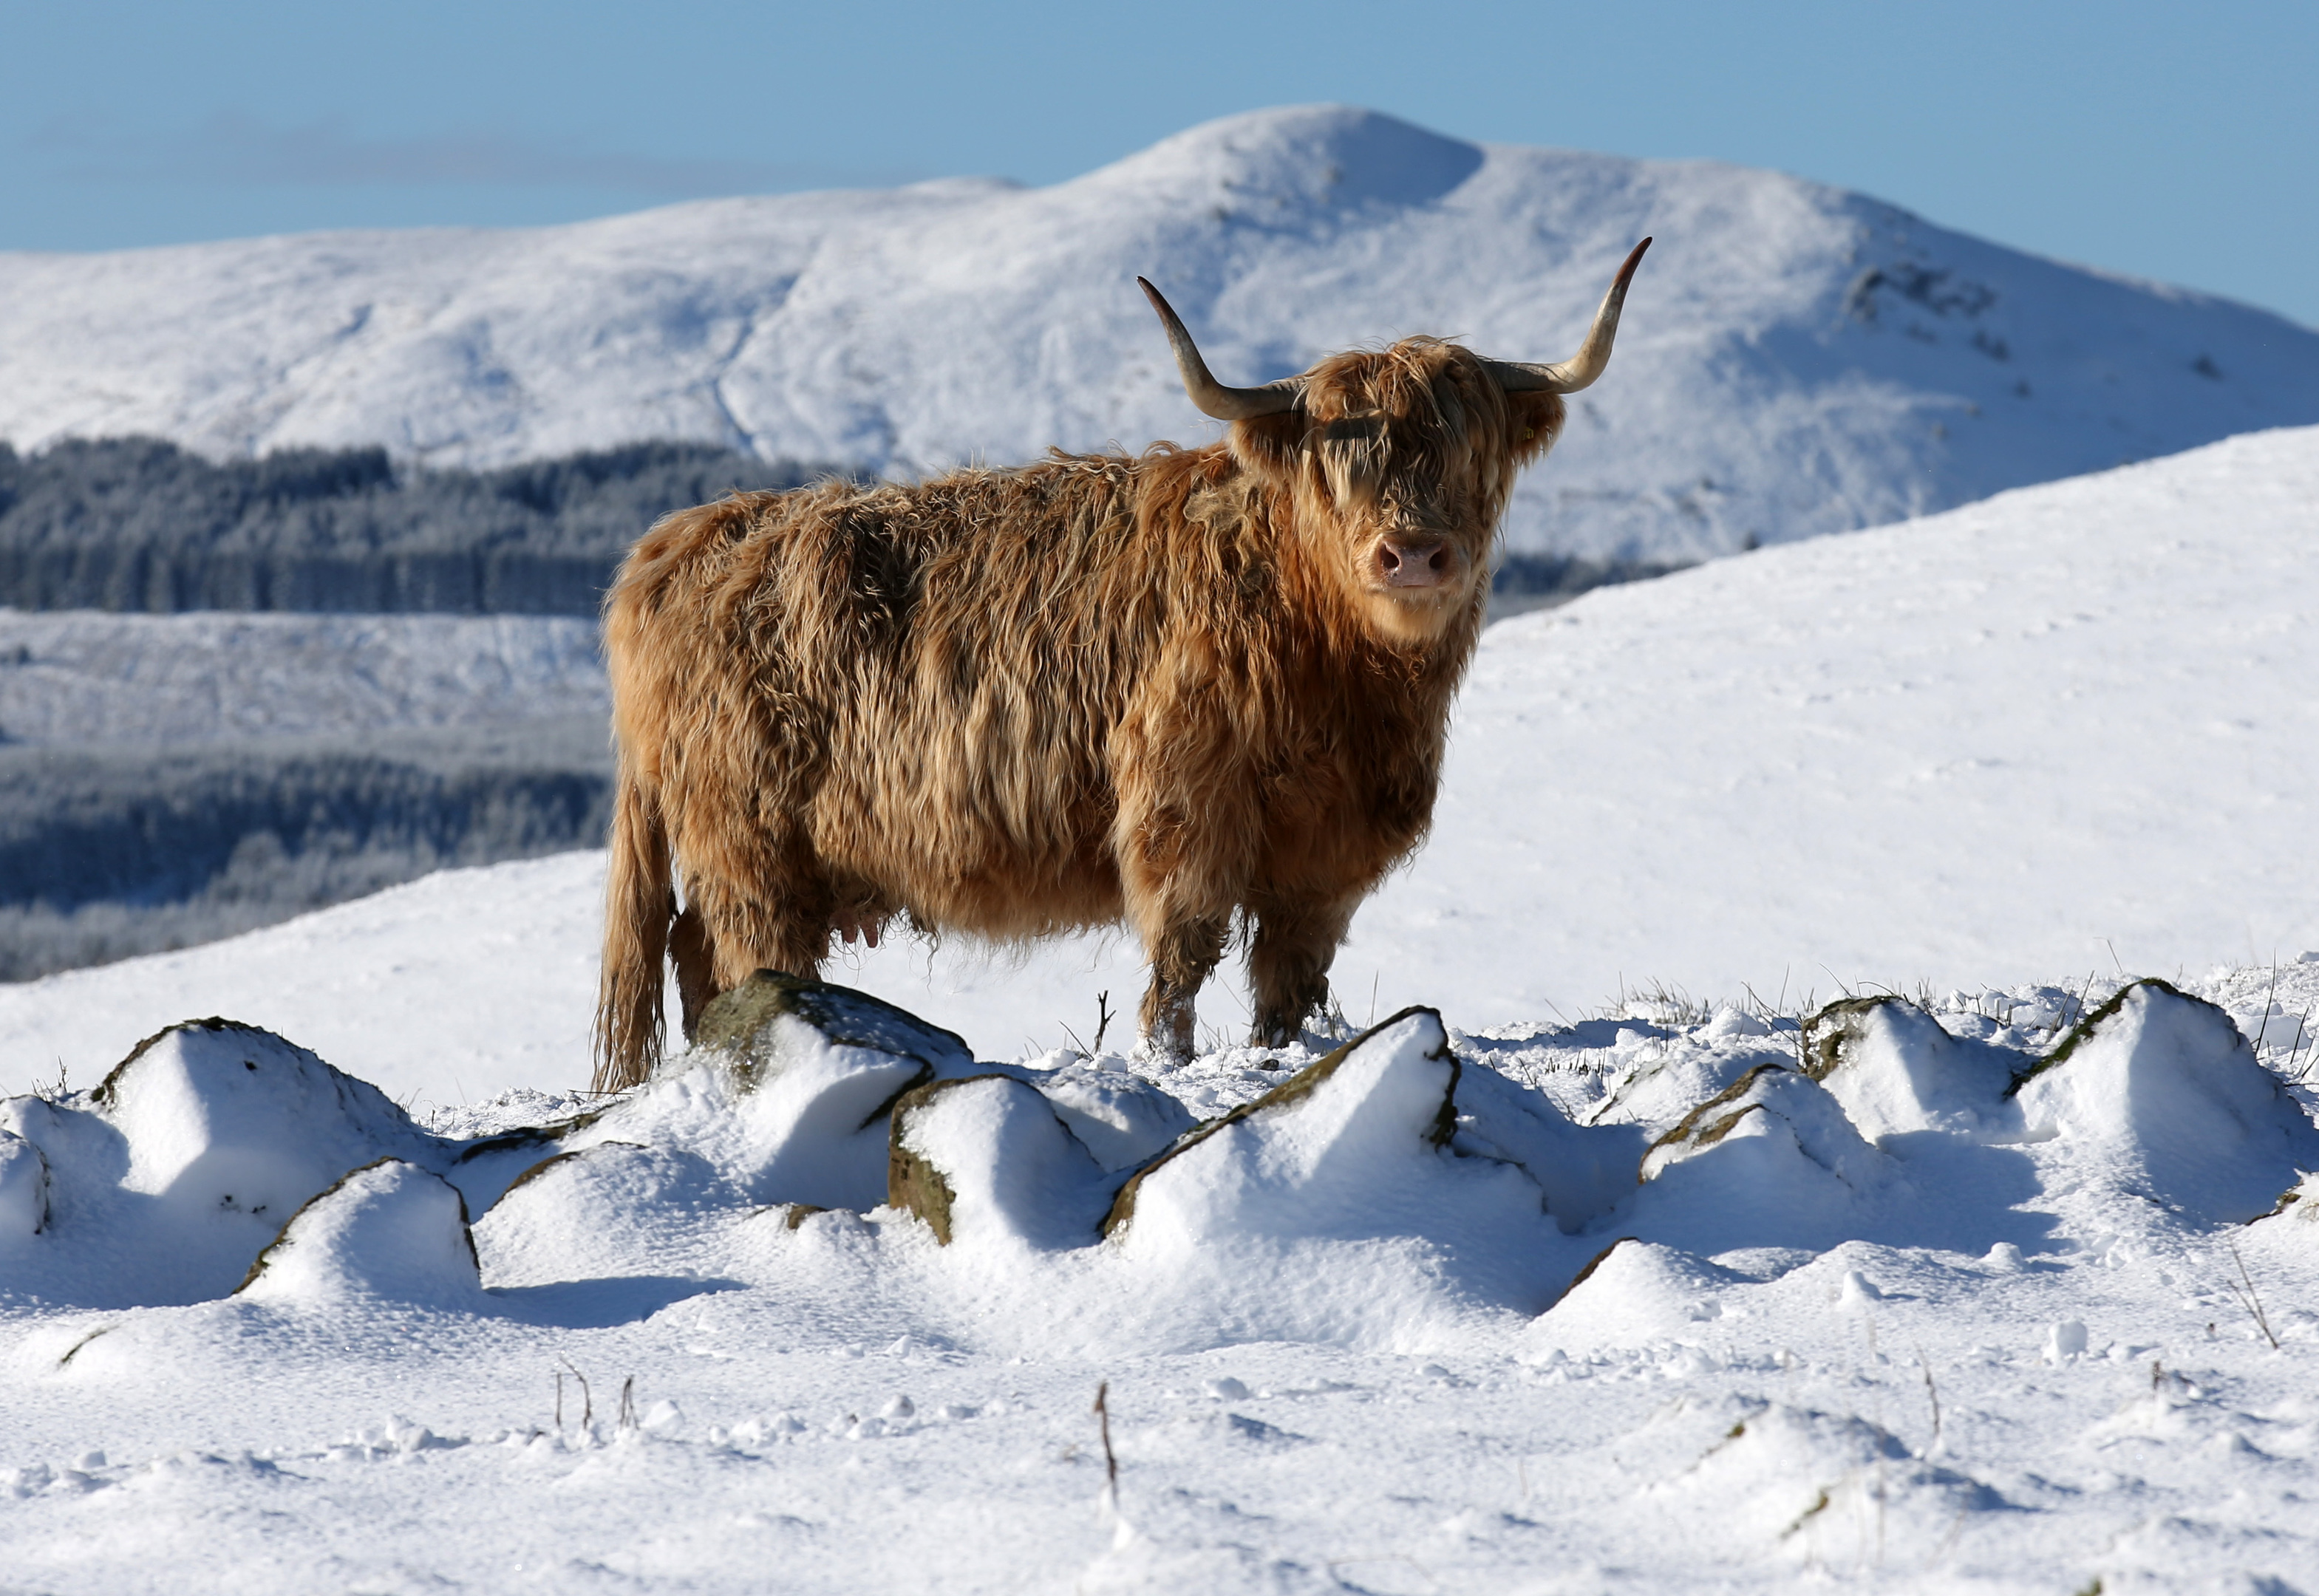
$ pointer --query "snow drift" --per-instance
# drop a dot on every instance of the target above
(1796, 359)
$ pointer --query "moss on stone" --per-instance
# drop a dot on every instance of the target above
(1839, 1022)
(2093, 1022)
(1702, 1127)
(913, 1184)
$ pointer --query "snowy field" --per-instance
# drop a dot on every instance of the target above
(1796, 359)
(77, 677)
(1987, 1286)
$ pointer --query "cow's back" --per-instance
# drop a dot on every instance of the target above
(917, 683)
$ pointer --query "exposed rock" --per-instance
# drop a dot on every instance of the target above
(746, 1025)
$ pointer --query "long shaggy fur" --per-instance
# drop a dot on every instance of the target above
(1167, 689)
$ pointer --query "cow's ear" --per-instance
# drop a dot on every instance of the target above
(1537, 419)
(1268, 445)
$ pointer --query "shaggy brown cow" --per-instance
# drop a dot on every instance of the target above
(1180, 690)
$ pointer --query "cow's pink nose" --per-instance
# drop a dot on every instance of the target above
(1413, 562)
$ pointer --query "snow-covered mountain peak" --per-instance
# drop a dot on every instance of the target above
(1306, 157)
(1795, 359)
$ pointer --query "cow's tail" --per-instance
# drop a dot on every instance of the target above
(639, 901)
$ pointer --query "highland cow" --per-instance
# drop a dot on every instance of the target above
(1196, 689)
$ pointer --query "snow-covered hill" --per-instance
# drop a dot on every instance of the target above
(1795, 359)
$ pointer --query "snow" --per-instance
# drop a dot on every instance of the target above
(1795, 358)
(1893, 1071)
(388, 1230)
(1998, 1275)
(2171, 1093)
(1340, 1345)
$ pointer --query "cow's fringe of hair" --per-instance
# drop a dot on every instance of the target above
(639, 902)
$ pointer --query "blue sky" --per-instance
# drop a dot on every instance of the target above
(2161, 139)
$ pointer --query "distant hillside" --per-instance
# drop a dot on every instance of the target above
(171, 779)
(1796, 359)
(113, 851)
(140, 524)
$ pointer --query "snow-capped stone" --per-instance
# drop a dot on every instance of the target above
(2300, 1201)
(756, 1026)
(1355, 1145)
(1632, 1289)
(1771, 1161)
(1808, 1486)
(1895, 1070)
(166, 1179)
(788, 1091)
(2161, 1095)
(987, 1158)
(225, 1117)
(1584, 1171)
(607, 1210)
(389, 1230)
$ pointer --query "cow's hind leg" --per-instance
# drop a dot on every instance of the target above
(1182, 956)
(695, 978)
(778, 919)
(1288, 964)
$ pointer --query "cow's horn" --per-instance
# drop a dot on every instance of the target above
(1225, 404)
(1570, 375)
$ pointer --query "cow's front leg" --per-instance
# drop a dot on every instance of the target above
(1182, 956)
(1288, 964)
